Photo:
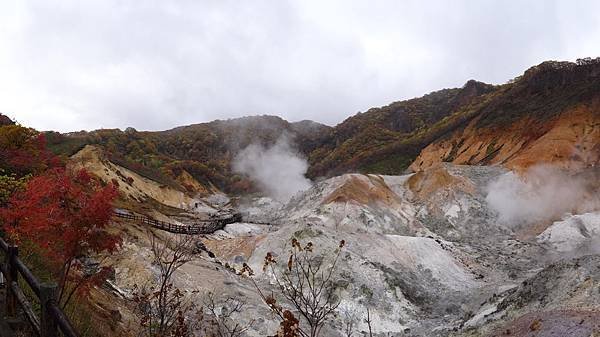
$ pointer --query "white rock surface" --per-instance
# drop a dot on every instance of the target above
(423, 260)
(245, 229)
(573, 232)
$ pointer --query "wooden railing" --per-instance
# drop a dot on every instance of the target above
(200, 227)
(52, 319)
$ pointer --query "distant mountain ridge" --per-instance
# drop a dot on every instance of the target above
(476, 124)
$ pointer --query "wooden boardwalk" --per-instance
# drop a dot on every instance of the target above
(199, 227)
(13, 302)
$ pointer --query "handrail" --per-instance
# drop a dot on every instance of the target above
(27, 309)
(28, 276)
(52, 317)
(62, 321)
(200, 227)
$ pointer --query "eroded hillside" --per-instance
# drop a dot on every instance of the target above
(549, 115)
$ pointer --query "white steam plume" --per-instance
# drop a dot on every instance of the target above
(277, 170)
(542, 193)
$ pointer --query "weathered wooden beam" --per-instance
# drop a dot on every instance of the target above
(28, 276)
(52, 316)
(63, 322)
(26, 307)
(12, 275)
(48, 295)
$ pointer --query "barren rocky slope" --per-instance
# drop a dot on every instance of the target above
(426, 253)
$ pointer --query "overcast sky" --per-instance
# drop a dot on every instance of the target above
(153, 65)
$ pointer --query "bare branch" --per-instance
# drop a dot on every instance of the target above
(306, 283)
(163, 307)
(223, 313)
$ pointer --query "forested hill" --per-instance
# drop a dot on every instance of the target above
(382, 140)
(203, 150)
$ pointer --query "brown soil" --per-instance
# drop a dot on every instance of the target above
(572, 140)
(192, 185)
(228, 249)
(363, 190)
(425, 183)
(561, 323)
(131, 185)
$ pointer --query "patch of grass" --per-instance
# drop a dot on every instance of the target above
(144, 171)
(307, 233)
(490, 148)
(393, 165)
(452, 155)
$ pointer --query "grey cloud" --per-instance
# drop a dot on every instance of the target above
(72, 65)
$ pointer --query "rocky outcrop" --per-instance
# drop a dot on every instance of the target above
(131, 185)
(559, 300)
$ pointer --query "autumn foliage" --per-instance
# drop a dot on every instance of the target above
(63, 216)
(23, 151)
(56, 216)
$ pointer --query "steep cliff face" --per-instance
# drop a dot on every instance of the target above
(131, 185)
(571, 140)
(549, 115)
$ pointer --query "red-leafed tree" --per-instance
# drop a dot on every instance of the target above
(23, 151)
(64, 216)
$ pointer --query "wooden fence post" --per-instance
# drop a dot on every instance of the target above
(47, 298)
(13, 274)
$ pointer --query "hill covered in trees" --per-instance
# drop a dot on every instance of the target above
(384, 140)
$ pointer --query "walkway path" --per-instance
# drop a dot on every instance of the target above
(199, 227)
